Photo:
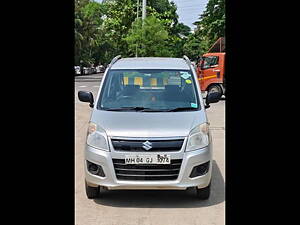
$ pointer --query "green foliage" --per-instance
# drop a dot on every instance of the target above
(182, 30)
(192, 47)
(119, 16)
(161, 6)
(211, 25)
(87, 30)
(148, 38)
(104, 30)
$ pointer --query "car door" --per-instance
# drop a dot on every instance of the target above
(209, 70)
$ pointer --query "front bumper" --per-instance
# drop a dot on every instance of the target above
(189, 160)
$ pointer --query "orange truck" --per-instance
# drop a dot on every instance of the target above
(211, 68)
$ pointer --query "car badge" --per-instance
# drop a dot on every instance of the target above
(147, 145)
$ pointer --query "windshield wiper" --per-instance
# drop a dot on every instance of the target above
(143, 109)
(182, 109)
(137, 108)
(155, 110)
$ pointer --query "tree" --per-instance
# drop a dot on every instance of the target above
(119, 15)
(148, 38)
(104, 30)
(194, 47)
(165, 11)
(87, 26)
(211, 24)
(182, 30)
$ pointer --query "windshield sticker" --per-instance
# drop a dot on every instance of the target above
(194, 105)
(188, 81)
(185, 75)
(174, 81)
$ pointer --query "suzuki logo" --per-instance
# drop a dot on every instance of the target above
(147, 145)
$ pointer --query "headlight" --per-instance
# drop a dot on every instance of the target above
(198, 137)
(96, 137)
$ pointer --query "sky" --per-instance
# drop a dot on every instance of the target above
(188, 10)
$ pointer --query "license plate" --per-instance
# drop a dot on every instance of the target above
(147, 159)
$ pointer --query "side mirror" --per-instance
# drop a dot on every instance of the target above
(85, 96)
(212, 97)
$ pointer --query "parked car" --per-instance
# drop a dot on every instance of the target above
(148, 128)
(97, 69)
(100, 69)
(93, 70)
(77, 70)
(87, 71)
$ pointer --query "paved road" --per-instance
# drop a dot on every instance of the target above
(87, 83)
(148, 207)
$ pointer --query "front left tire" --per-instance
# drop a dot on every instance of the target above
(203, 193)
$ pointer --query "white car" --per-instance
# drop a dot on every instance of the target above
(77, 70)
(98, 70)
(86, 70)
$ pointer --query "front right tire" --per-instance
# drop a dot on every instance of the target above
(92, 192)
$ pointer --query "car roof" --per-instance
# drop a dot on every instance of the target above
(151, 63)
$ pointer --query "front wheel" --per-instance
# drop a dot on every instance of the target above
(203, 193)
(214, 88)
(92, 192)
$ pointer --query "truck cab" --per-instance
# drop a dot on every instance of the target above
(210, 71)
(211, 68)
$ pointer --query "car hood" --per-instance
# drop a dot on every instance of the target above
(148, 124)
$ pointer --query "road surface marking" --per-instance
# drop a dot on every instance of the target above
(82, 86)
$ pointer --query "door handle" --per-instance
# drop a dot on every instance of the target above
(216, 70)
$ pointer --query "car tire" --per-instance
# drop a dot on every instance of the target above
(203, 193)
(214, 88)
(92, 192)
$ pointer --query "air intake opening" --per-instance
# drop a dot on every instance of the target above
(95, 169)
(200, 170)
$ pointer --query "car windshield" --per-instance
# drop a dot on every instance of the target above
(149, 90)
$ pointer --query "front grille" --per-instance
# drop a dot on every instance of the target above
(156, 145)
(147, 171)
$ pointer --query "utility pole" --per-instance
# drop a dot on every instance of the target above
(143, 16)
(144, 10)
(137, 17)
(137, 9)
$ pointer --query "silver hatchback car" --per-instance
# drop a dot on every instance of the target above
(148, 128)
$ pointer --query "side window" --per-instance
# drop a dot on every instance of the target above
(114, 85)
(214, 61)
(210, 61)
